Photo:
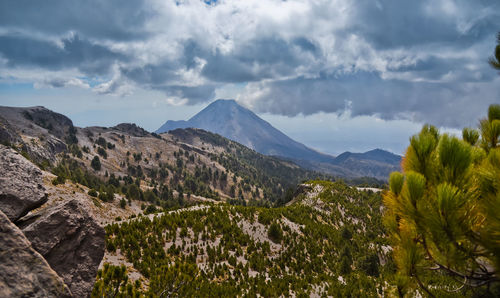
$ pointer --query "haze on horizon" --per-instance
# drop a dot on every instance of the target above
(335, 75)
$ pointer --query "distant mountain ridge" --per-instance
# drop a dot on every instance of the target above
(375, 155)
(228, 119)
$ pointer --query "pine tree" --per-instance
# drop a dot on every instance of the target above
(443, 210)
(275, 233)
(495, 60)
(96, 163)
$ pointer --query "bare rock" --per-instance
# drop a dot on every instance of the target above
(21, 188)
(23, 271)
(29, 120)
(70, 240)
(40, 132)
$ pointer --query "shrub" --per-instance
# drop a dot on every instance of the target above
(370, 264)
(101, 141)
(96, 163)
(275, 233)
(150, 209)
(102, 152)
(58, 180)
(133, 192)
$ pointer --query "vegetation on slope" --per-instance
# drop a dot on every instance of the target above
(274, 176)
(330, 243)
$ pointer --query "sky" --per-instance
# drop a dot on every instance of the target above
(336, 75)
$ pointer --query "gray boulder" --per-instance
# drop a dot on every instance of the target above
(21, 188)
(70, 240)
(23, 271)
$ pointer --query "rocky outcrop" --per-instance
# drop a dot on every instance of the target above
(132, 129)
(23, 271)
(21, 188)
(70, 240)
(40, 132)
(55, 123)
(45, 150)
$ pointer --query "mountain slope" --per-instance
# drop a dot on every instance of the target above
(329, 241)
(227, 118)
(178, 164)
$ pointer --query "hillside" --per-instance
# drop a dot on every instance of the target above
(328, 241)
(227, 118)
(187, 162)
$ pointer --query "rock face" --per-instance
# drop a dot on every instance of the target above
(37, 130)
(21, 188)
(23, 271)
(70, 240)
(66, 241)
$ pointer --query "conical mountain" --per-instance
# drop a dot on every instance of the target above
(228, 119)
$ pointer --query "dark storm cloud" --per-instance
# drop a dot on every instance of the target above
(75, 52)
(159, 77)
(110, 19)
(229, 69)
(359, 94)
(259, 59)
(434, 68)
(196, 94)
(394, 23)
(152, 74)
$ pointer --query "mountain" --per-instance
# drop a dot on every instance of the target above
(375, 163)
(375, 155)
(229, 119)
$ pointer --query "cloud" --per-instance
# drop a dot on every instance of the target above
(113, 19)
(58, 82)
(395, 59)
(361, 94)
(89, 58)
